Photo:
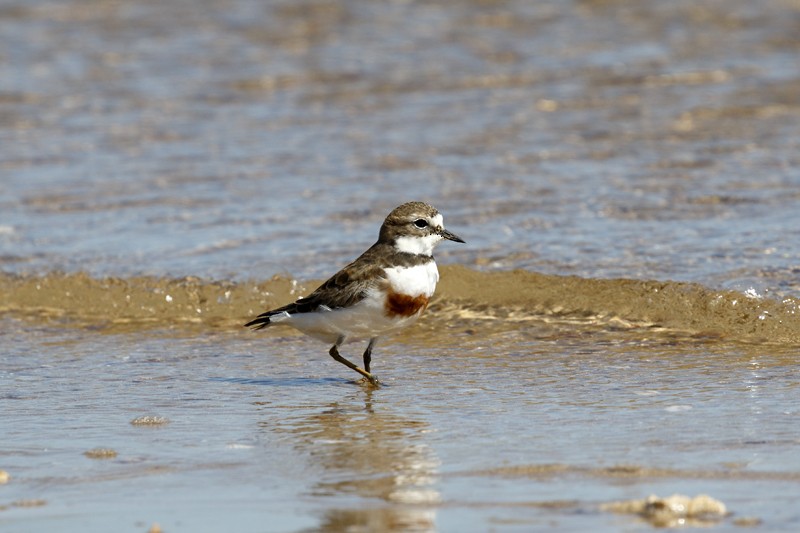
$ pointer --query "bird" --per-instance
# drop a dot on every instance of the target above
(385, 289)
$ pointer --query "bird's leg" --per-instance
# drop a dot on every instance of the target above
(334, 352)
(368, 353)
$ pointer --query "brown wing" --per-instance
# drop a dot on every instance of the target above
(345, 288)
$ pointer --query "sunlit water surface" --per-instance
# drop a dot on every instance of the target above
(511, 430)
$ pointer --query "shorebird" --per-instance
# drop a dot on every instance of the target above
(386, 288)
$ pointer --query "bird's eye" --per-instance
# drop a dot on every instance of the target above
(421, 223)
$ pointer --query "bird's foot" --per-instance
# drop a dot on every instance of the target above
(371, 381)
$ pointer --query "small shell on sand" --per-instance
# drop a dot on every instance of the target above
(5, 477)
(676, 510)
(100, 453)
(747, 521)
(149, 421)
(29, 503)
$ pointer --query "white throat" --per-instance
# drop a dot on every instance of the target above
(417, 245)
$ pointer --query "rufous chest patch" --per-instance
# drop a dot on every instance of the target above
(402, 305)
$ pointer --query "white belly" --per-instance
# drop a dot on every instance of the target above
(414, 281)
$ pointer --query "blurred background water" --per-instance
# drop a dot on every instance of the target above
(241, 139)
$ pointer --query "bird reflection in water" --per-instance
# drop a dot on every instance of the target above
(365, 450)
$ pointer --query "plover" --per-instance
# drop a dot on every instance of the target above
(385, 289)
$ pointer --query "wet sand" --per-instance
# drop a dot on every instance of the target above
(496, 300)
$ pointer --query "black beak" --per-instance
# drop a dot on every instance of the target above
(450, 236)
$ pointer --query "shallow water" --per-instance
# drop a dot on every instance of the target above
(516, 429)
(622, 321)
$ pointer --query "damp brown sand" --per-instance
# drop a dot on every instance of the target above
(502, 300)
